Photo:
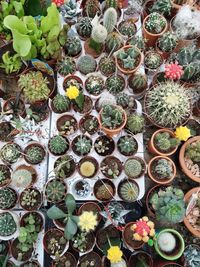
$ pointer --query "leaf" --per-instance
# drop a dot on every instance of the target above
(80, 101)
(70, 203)
(18, 9)
(55, 213)
(70, 229)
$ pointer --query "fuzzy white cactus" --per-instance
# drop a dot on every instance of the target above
(110, 19)
(99, 33)
(166, 242)
(106, 99)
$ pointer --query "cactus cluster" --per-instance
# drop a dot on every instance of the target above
(192, 255)
(35, 154)
(133, 167)
(91, 8)
(128, 191)
(10, 153)
(127, 28)
(138, 41)
(110, 19)
(125, 101)
(163, 169)
(113, 42)
(153, 60)
(55, 191)
(58, 144)
(7, 224)
(164, 142)
(107, 65)
(73, 46)
(21, 178)
(84, 27)
(115, 84)
(83, 145)
(7, 198)
(127, 145)
(162, 6)
(167, 42)
(137, 82)
(135, 123)
(61, 103)
(94, 84)
(66, 66)
(104, 191)
(193, 151)
(29, 198)
(168, 104)
(86, 64)
(128, 58)
(111, 117)
(155, 23)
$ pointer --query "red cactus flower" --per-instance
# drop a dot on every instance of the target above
(141, 227)
(173, 71)
(58, 2)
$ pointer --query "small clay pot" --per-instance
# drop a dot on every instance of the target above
(111, 145)
(90, 240)
(84, 124)
(90, 51)
(87, 106)
(7, 131)
(90, 256)
(90, 206)
(68, 172)
(91, 160)
(67, 148)
(16, 198)
(61, 121)
(70, 257)
(130, 181)
(74, 146)
(148, 257)
(108, 162)
(31, 170)
(38, 217)
(14, 251)
(110, 194)
(144, 167)
(7, 172)
(70, 77)
(130, 153)
(37, 204)
(103, 234)
(29, 147)
(7, 107)
(36, 263)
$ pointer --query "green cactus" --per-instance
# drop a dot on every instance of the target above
(137, 82)
(73, 46)
(91, 8)
(111, 3)
(10, 153)
(167, 42)
(193, 152)
(94, 84)
(58, 145)
(7, 224)
(128, 57)
(35, 154)
(21, 178)
(163, 169)
(69, 9)
(110, 19)
(66, 66)
(111, 117)
(29, 198)
(162, 6)
(115, 84)
(107, 65)
(61, 103)
(64, 167)
(113, 42)
(127, 145)
(153, 60)
(155, 23)
(165, 142)
(84, 27)
(128, 191)
(135, 123)
(83, 145)
(139, 42)
(4, 175)
(133, 167)
(125, 101)
(127, 28)
(86, 64)
(192, 255)
(55, 191)
(8, 198)
(79, 241)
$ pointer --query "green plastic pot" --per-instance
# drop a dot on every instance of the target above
(181, 249)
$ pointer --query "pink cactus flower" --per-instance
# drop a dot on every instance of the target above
(173, 71)
(58, 2)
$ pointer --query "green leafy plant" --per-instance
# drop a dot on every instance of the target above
(68, 218)
(135, 123)
(61, 103)
(58, 144)
(128, 57)
(8, 198)
(165, 142)
(155, 23)
(7, 224)
(66, 66)
(55, 191)
(112, 117)
(115, 84)
(86, 64)
(11, 63)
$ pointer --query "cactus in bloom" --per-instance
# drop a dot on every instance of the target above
(113, 42)
(143, 229)
(110, 19)
(173, 71)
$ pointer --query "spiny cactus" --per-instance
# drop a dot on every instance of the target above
(133, 168)
(84, 27)
(127, 28)
(125, 101)
(128, 191)
(135, 123)
(55, 191)
(7, 198)
(112, 117)
(105, 191)
(7, 224)
(127, 145)
(66, 66)
(87, 169)
(155, 23)
(22, 178)
(110, 19)
(167, 42)
(107, 65)
(166, 242)
(162, 6)
(58, 145)
(29, 198)
(163, 169)
(73, 46)
(61, 103)
(138, 41)
(86, 64)
(91, 8)
(35, 154)
(94, 84)
(10, 153)
(137, 82)
(115, 84)
(69, 9)
(168, 104)
(165, 142)
(83, 145)
(111, 3)
(98, 37)
(128, 57)
(113, 42)
(193, 151)
(152, 60)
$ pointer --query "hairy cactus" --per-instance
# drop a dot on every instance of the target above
(7, 224)
(128, 191)
(162, 6)
(115, 84)
(86, 64)
(163, 169)
(168, 104)
(155, 23)
(133, 168)
(61, 103)
(73, 46)
(58, 145)
(153, 60)
(107, 65)
(105, 191)
(7, 198)
(99, 33)
(55, 191)
(22, 178)
(167, 42)
(127, 145)
(135, 123)
(84, 27)
(193, 151)
(110, 19)
(166, 242)
(66, 66)
(137, 82)
(10, 153)
(87, 169)
(113, 42)
(165, 142)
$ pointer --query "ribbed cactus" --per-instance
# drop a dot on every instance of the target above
(128, 191)
(73, 46)
(58, 144)
(104, 191)
(35, 154)
(137, 82)
(7, 224)
(111, 3)
(113, 42)
(110, 19)
(84, 27)
(7, 198)
(107, 65)
(135, 123)
(55, 191)
(91, 8)
(22, 178)
(153, 60)
(115, 84)
(163, 169)
(127, 145)
(133, 168)
(155, 23)
(162, 6)
(86, 64)
(10, 153)
(127, 28)
(167, 42)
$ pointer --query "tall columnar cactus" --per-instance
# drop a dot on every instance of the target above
(167, 42)
(113, 42)
(110, 19)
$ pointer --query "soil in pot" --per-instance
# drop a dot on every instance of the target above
(85, 246)
(81, 145)
(127, 145)
(64, 167)
(6, 132)
(141, 258)
(5, 175)
(14, 106)
(88, 167)
(30, 199)
(39, 112)
(87, 106)
(104, 190)
(90, 259)
(67, 258)
(128, 237)
(104, 145)
(91, 206)
(89, 124)
(34, 153)
(103, 234)
(15, 251)
(67, 125)
(54, 242)
(111, 167)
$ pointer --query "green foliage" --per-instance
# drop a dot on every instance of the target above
(115, 84)
(193, 151)
(169, 205)
(7, 198)
(165, 142)
(11, 63)
(153, 60)
(30, 198)
(7, 224)
(35, 154)
(83, 145)
(162, 6)
(94, 84)
(135, 123)
(127, 145)
(127, 28)
(113, 42)
(107, 65)
(168, 104)
(133, 168)
(86, 64)
(66, 66)
(34, 86)
(167, 42)
(84, 27)
(55, 191)
(128, 191)
(68, 218)
(79, 241)
(128, 57)
(10, 153)
(163, 169)
(112, 117)
(192, 255)
(110, 19)
(58, 144)
(155, 23)
(73, 46)
(61, 103)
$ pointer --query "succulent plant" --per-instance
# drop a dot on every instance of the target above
(125, 101)
(55, 191)
(110, 19)
(111, 3)
(58, 145)
(155, 23)
(84, 27)
(105, 99)
(64, 167)
(104, 191)
(98, 37)
(69, 9)
(79, 241)
(127, 28)
(4, 175)
(193, 151)
(135, 123)
(113, 42)
(66, 66)
(162, 6)
(128, 58)
(169, 205)
(91, 8)
(127, 145)
(102, 145)
(86, 64)
(94, 84)
(35, 154)
(29, 198)
(7, 224)
(73, 46)
(152, 60)
(61, 103)
(165, 142)
(73, 81)
(11, 63)
(111, 117)
(133, 168)
(68, 127)
(107, 65)
(83, 145)
(168, 104)
(166, 242)
(34, 86)
(167, 42)
(87, 168)
(128, 191)
(10, 153)
(137, 82)
(8, 198)
(163, 169)
(115, 84)
(21, 178)
(192, 255)
(138, 41)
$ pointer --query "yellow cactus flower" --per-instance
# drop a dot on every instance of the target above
(114, 254)
(182, 133)
(72, 92)
(87, 221)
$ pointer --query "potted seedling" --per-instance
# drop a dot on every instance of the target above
(23, 176)
(29, 217)
(94, 84)
(115, 84)
(14, 106)
(107, 66)
(58, 145)
(8, 198)
(10, 153)
(128, 190)
(30, 199)
(86, 106)
(88, 167)
(66, 258)
(67, 125)
(104, 145)
(55, 191)
(66, 66)
(73, 80)
(103, 234)
(127, 145)
(5, 175)
(60, 104)
(34, 153)
(54, 242)
(104, 190)
(64, 167)
(135, 167)
(89, 124)
(111, 167)
(81, 145)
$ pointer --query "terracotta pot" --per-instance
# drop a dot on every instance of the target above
(106, 161)
(130, 181)
(87, 106)
(38, 216)
(187, 197)
(82, 122)
(161, 181)
(182, 160)
(130, 71)
(61, 121)
(162, 263)
(34, 144)
(152, 148)
(164, 54)
(112, 132)
(127, 237)
(31, 170)
(26, 256)
(91, 160)
(39, 200)
(101, 182)
(51, 233)
(6, 170)
(69, 77)
(90, 51)
(196, 109)
(146, 6)
(103, 234)
(50, 200)
(132, 261)
(152, 37)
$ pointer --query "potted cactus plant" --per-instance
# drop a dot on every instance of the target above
(127, 102)
(72, 80)
(23, 176)
(152, 61)
(114, 42)
(94, 84)
(128, 190)
(67, 125)
(137, 84)
(69, 11)
(8, 198)
(66, 66)
(127, 28)
(58, 145)
(9, 225)
(81, 145)
(10, 153)
(104, 190)
(84, 27)
(30, 199)
(86, 64)
(73, 47)
(89, 259)
(111, 167)
(55, 190)
(134, 167)
(5, 175)
(104, 145)
(89, 124)
(135, 123)
(107, 66)
(191, 255)
(88, 167)
(103, 234)
(6, 131)
(141, 257)
(34, 153)
(64, 167)
(60, 104)
(66, 258)
(166, 44)
(115, 84)
(127, 145)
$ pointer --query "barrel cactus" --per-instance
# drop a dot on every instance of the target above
(127, 28)
(66, 66)
(115, 84)
(155, 23)
(22, 178)
(137, 82)
(61, 103)
(86, 64)
(113, 42)
(107, 65)
(135, 123)
(167, 42)
(127, 145)
(73, 46)
(110, 19)
(91, 8)
(58, 144)
(84, 27)
(133, 167)
(55, 191)
(153, 60)
(128, 191)
(7, 224)
(8, 198)
(111, 3)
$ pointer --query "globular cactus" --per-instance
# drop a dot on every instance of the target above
(115, 84)
(135, 123)
(7, 224)
(113, 42)
(104, 191)
(107, 65)
(137, 82)
(162, 6)
(163, 169)
(7, 198)
(127, 145)
(21, 178)
(58, 144)
(127, 28)
(153, 60)
(155, 23)
(167, 42)
(91, 8)
(35, 154)
(173, 71)
(166, 242)
(133, 168)
(61, 103)
(66, 66)
(73, 46)
(84, 27)
(99, 33)
(10, 153)
(110, 19)
(55, 191)
(165, 142)
(111, 3)
(122, 100)
(128, 191)
(86, 64)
